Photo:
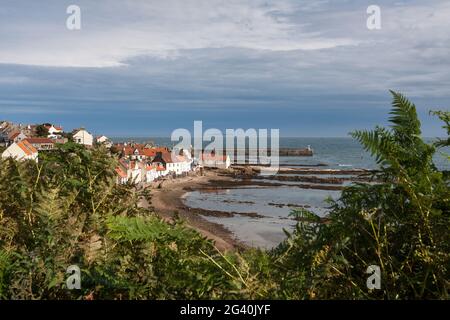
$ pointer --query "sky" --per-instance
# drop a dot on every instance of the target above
(144, 68)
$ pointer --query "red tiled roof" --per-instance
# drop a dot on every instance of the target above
(139, 150)
(27, 147)
(121, 173)
(39, 140)
(149, 152)
(14, 135)
(59, 128)
(127, 151)
(167, 157)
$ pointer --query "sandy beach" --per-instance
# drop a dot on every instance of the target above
(166, 201)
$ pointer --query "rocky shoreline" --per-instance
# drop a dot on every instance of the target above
(167, 196)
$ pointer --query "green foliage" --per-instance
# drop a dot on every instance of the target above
(4, 270)
(401, 223)
(445, 117)
(67, 209)
(41, 131)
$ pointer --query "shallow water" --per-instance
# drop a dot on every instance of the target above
(267, 231)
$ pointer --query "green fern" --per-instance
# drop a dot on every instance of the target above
(445, 117)
(141, 229)
(379, 143)
(404, 117)
(5, 265)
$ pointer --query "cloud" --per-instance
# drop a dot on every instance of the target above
(216, 59)
(115, 31)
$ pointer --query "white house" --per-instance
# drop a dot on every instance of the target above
(176, 164)
(138, 152)
(16, 136)
(212, 160)
(104, 140)
(22, 150)
(83, 137)
(161, 171)
(183, 164)
(54, 132)
(130, 171)
(122, 177)
(136, 172)
(152, 173)
(41, 144)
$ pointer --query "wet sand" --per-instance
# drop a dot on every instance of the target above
(166, 200)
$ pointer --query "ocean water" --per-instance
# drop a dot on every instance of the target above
(275, 203)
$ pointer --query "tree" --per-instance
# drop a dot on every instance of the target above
(41, 131)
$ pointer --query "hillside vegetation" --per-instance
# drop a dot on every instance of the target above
(67, 210)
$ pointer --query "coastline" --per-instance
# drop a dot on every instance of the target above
(167, 201)
(167, 196)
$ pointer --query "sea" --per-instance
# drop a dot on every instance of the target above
(275, 204)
